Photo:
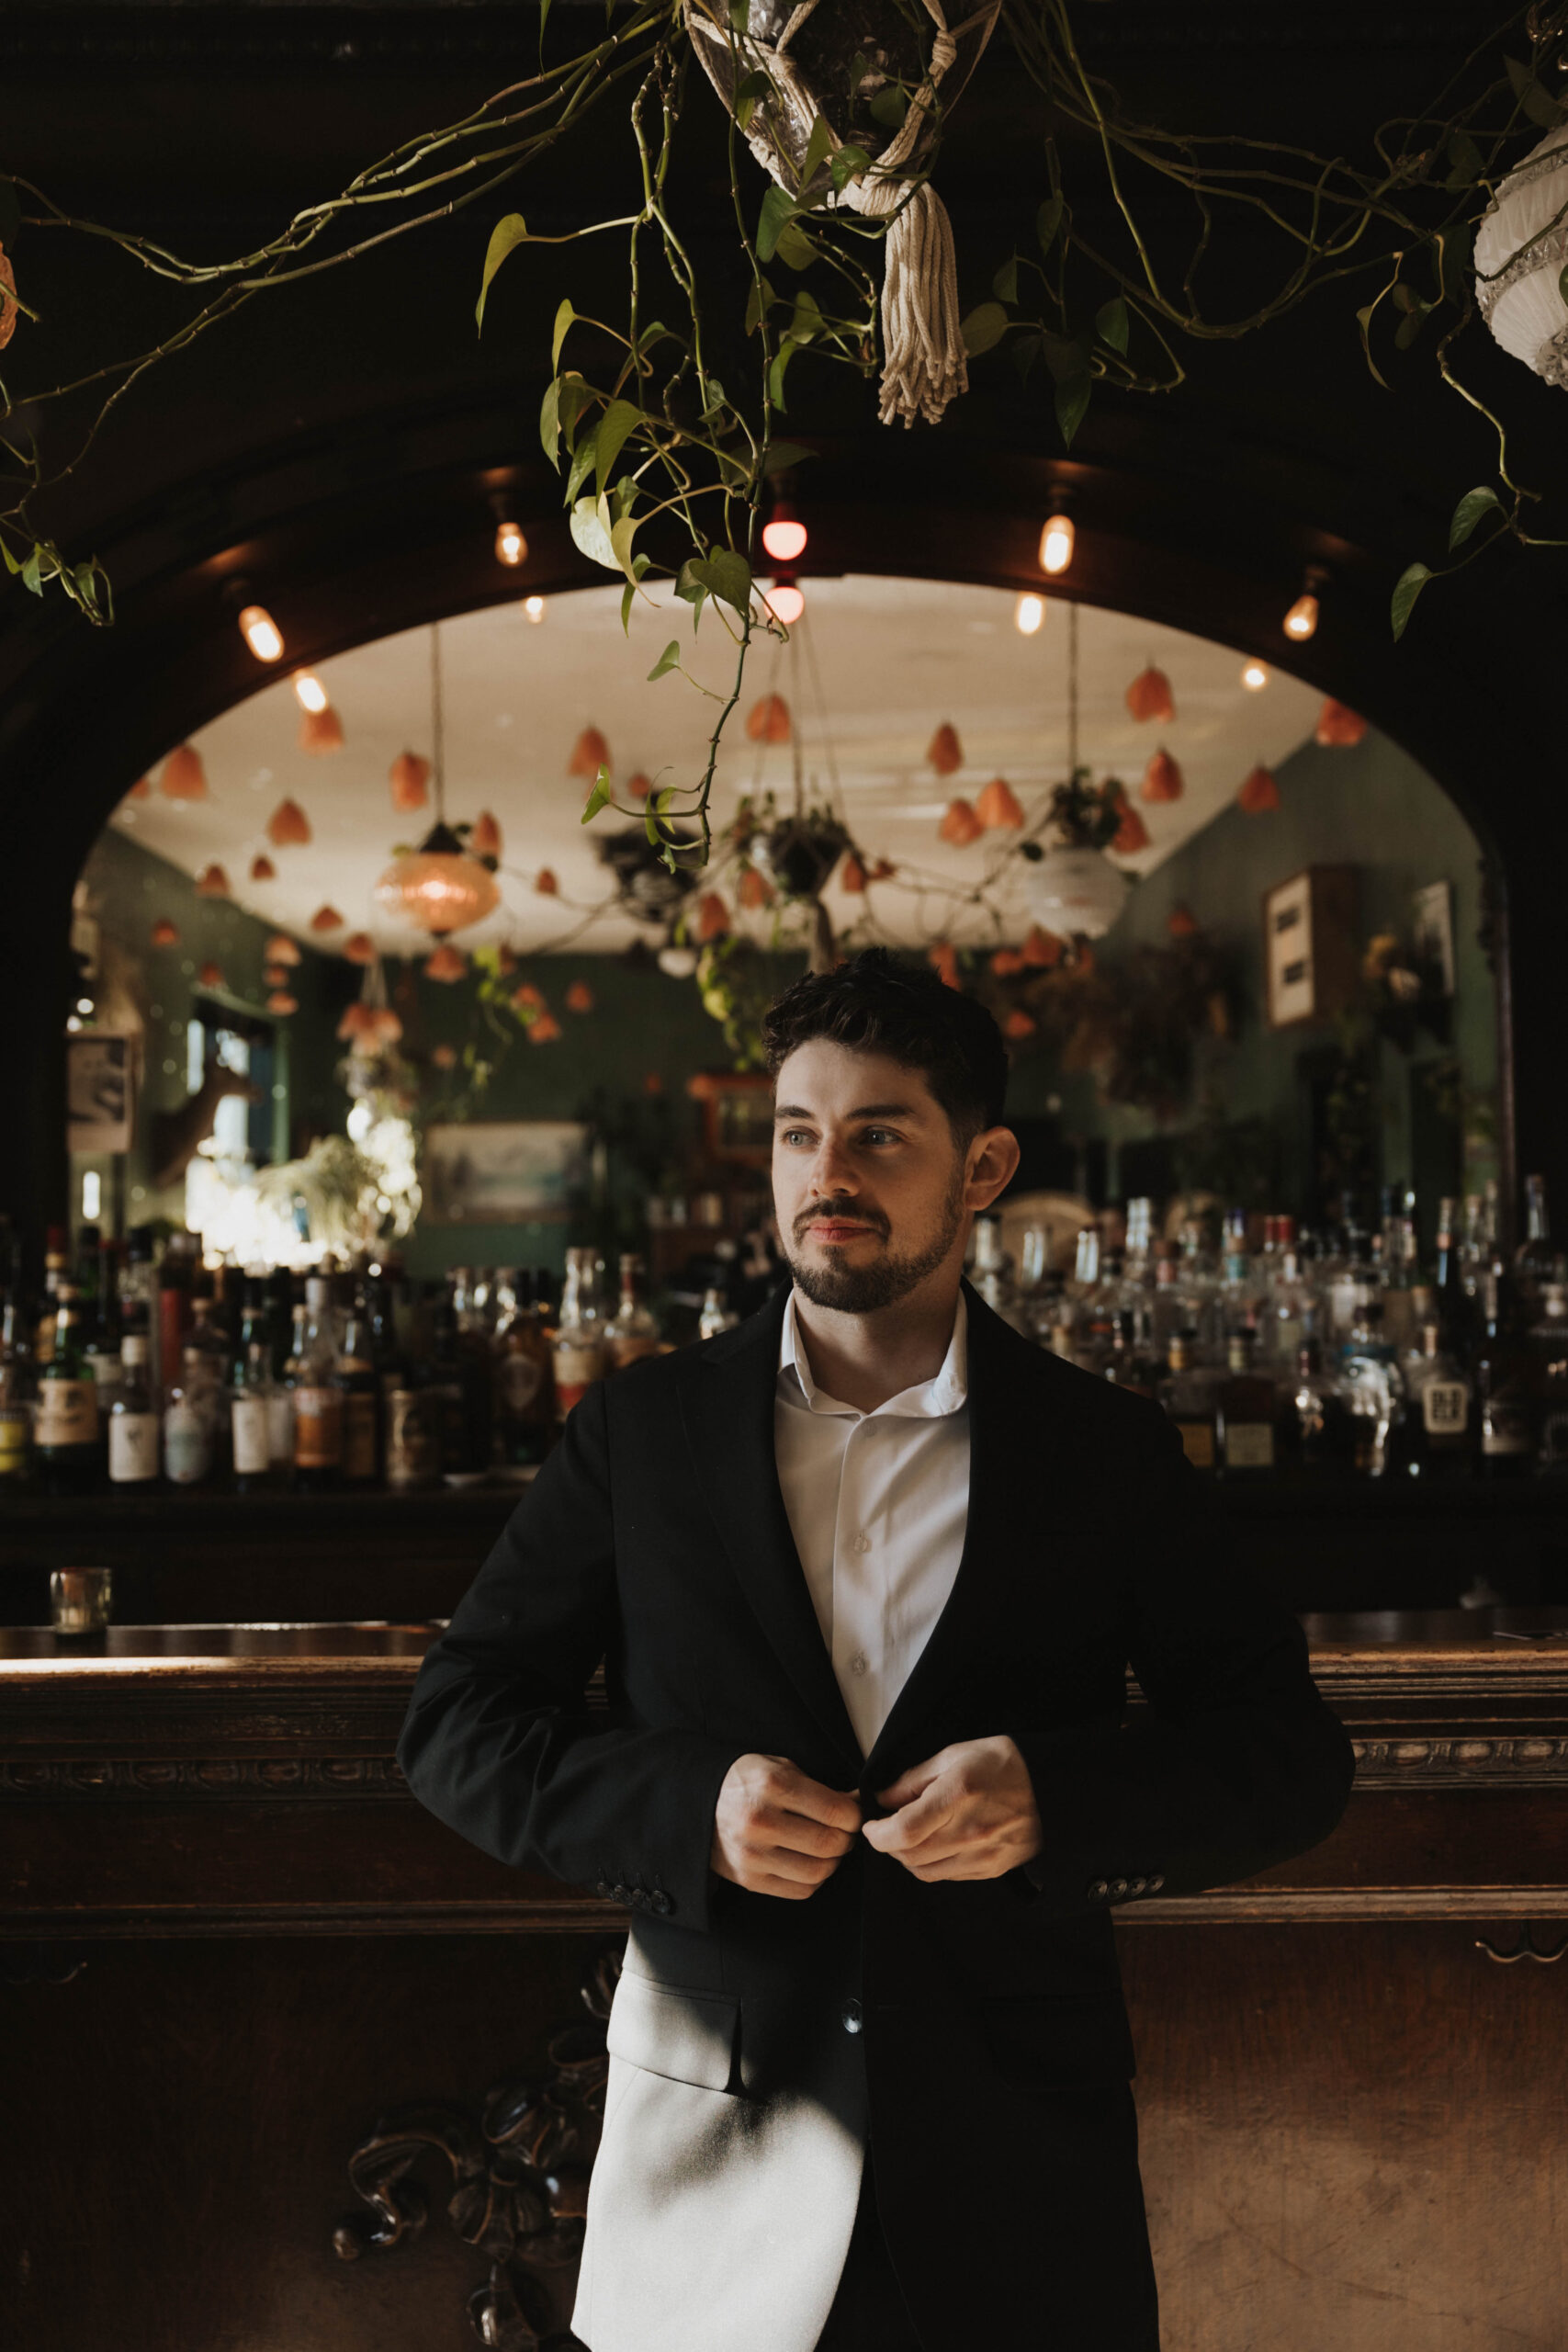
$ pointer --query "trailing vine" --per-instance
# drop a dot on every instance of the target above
(664, 466)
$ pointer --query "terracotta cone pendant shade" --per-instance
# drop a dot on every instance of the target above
(438, 887)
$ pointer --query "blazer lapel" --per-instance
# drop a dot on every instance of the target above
(728, 1407)
(1011, 1442)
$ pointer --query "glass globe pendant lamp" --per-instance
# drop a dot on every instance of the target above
(440, 887)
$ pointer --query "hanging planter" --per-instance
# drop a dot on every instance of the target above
(409, 776)
(1260, 792)
(288, 827)
(945, 753)
(767, 721)
(183, 777)
(1338, 726)
(996, 806)
(212, 883)
(321, 731)
(1520, 251)
(588, 754)
(1163, 780)
(645, 886)
(1149, 697)
(798, 853)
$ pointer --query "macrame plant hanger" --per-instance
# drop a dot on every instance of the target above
(923, 364)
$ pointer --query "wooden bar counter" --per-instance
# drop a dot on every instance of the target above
(231, 1942)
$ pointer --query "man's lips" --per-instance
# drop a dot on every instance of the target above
(837, 1229)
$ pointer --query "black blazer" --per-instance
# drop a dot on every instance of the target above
(655, 1538)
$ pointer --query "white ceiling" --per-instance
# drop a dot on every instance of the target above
(896, 658)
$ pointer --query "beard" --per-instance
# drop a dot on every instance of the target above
(838, 1282)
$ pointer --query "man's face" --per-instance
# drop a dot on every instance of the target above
(869, 1187)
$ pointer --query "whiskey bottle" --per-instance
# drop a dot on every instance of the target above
(355, 1378)
(524, 1376)
(1188, 1395)
(1505, 1384)
(634, 1332)
(579, 1340)
(133, 1419)
(318, 1401)
(67, 1435)
(1243, 1423)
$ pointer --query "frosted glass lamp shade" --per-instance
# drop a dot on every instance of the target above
(1516, 281)
(438, 887)
(1076, 891)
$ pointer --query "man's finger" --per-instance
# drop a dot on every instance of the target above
(910, 1784)
(774, 1825)
(902, 1832)
(795, 1792)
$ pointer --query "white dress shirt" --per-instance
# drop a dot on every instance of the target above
(877, 1504)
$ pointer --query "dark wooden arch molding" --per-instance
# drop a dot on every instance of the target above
(351, 539)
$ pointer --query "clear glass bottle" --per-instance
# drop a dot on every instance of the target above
(1506, 1383)
(204, 1375)
(579, 1340)
(1244, 1413)
(356, 1381)
(317, 1400)
(1537, 1262)
(1314, 1433)
(715, 1317)
(1370, 1384)
(133, 1418)
(634, 1331)
(68, 1437)
(187, 1438)
(1436, 1434)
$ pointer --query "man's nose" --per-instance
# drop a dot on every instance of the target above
(831, 1172)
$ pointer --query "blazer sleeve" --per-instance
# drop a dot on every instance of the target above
(499, 1741)
(1233, 1763)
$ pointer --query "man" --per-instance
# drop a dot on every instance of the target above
(866, 1573)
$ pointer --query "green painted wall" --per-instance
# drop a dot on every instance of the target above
(1370, 807)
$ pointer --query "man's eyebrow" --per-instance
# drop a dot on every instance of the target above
(862, 1110)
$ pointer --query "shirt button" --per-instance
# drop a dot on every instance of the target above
(861, 1542)
(859, 1663)
(851, 2018)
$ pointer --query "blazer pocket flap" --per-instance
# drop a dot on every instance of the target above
(689, 2037)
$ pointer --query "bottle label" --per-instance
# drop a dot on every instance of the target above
(106, 1371)
(16, 1441)
(1445, 1408)
(413, 1440)
(518, 1381)
(188, 1446)
(1249, 1445)
(577, 1367)
(68, 1412)
(280, 1426)
(133, 1448)
(253, 1452)
(317, 1428)
(1197, 1443)
(359, 1436)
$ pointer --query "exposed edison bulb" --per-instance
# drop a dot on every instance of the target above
(1029, 614)
(786, 542)
(309, 691)
(260, 633)
(511, 546)
(1300, 621)
(1255, 676)
(534, 608)
(1056, 544)
(787, 601)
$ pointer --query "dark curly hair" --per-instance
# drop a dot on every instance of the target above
(877, 1003)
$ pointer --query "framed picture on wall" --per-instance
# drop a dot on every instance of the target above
(100, 1107)
(1309, 945)
(504, 1172)
(738, 1116)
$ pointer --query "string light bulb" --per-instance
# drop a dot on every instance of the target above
(787, 601)
(1057, 541)
(1029, 616)
(534, 609)
(260, 633)
(511, 546)
(784, 539)
(309, 691)
(1255, 676)
(1300, 621)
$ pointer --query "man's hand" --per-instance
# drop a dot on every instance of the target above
(776, 1832)
(968, 1811)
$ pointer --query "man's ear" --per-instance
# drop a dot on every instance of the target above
(993, 1162)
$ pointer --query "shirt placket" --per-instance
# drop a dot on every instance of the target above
(859, 1630)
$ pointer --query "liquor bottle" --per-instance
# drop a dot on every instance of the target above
(176, 1279)
(1549, 1344)
(67, 1435)
(187, 1438)
(1401, 1273)
(250, 1416)
(355, 1379)
(579, 1341)
(715, 1317)
(1435, 1434)
(15, 1396)
(475, 1372)
(318, 1401)
(1536, 1262)
(1370, 1384)
(634, 1332)
(524, 1376)
(1188, 1395)
(1313, 1431)
(56, 1270)
(102, 1325)
(1505, 1384)
(387, 1356)
(204, 1374)
(133, 1418)
(281, 1307)
(1244, 1420)
(1132, 1361)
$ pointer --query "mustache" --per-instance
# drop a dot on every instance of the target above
(846, 1211)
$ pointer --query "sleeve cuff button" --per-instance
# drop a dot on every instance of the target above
(1099, 1890)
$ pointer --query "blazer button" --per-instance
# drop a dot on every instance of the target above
(1157, 1883)
(1118, 1889)
(660, 1902)
(853, 2018)
(1100, 1890)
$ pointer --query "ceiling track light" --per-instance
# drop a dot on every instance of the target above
(1300, 622)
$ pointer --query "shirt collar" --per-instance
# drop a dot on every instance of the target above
(944, 1393)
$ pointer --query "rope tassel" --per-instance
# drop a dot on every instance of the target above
(923, 360)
